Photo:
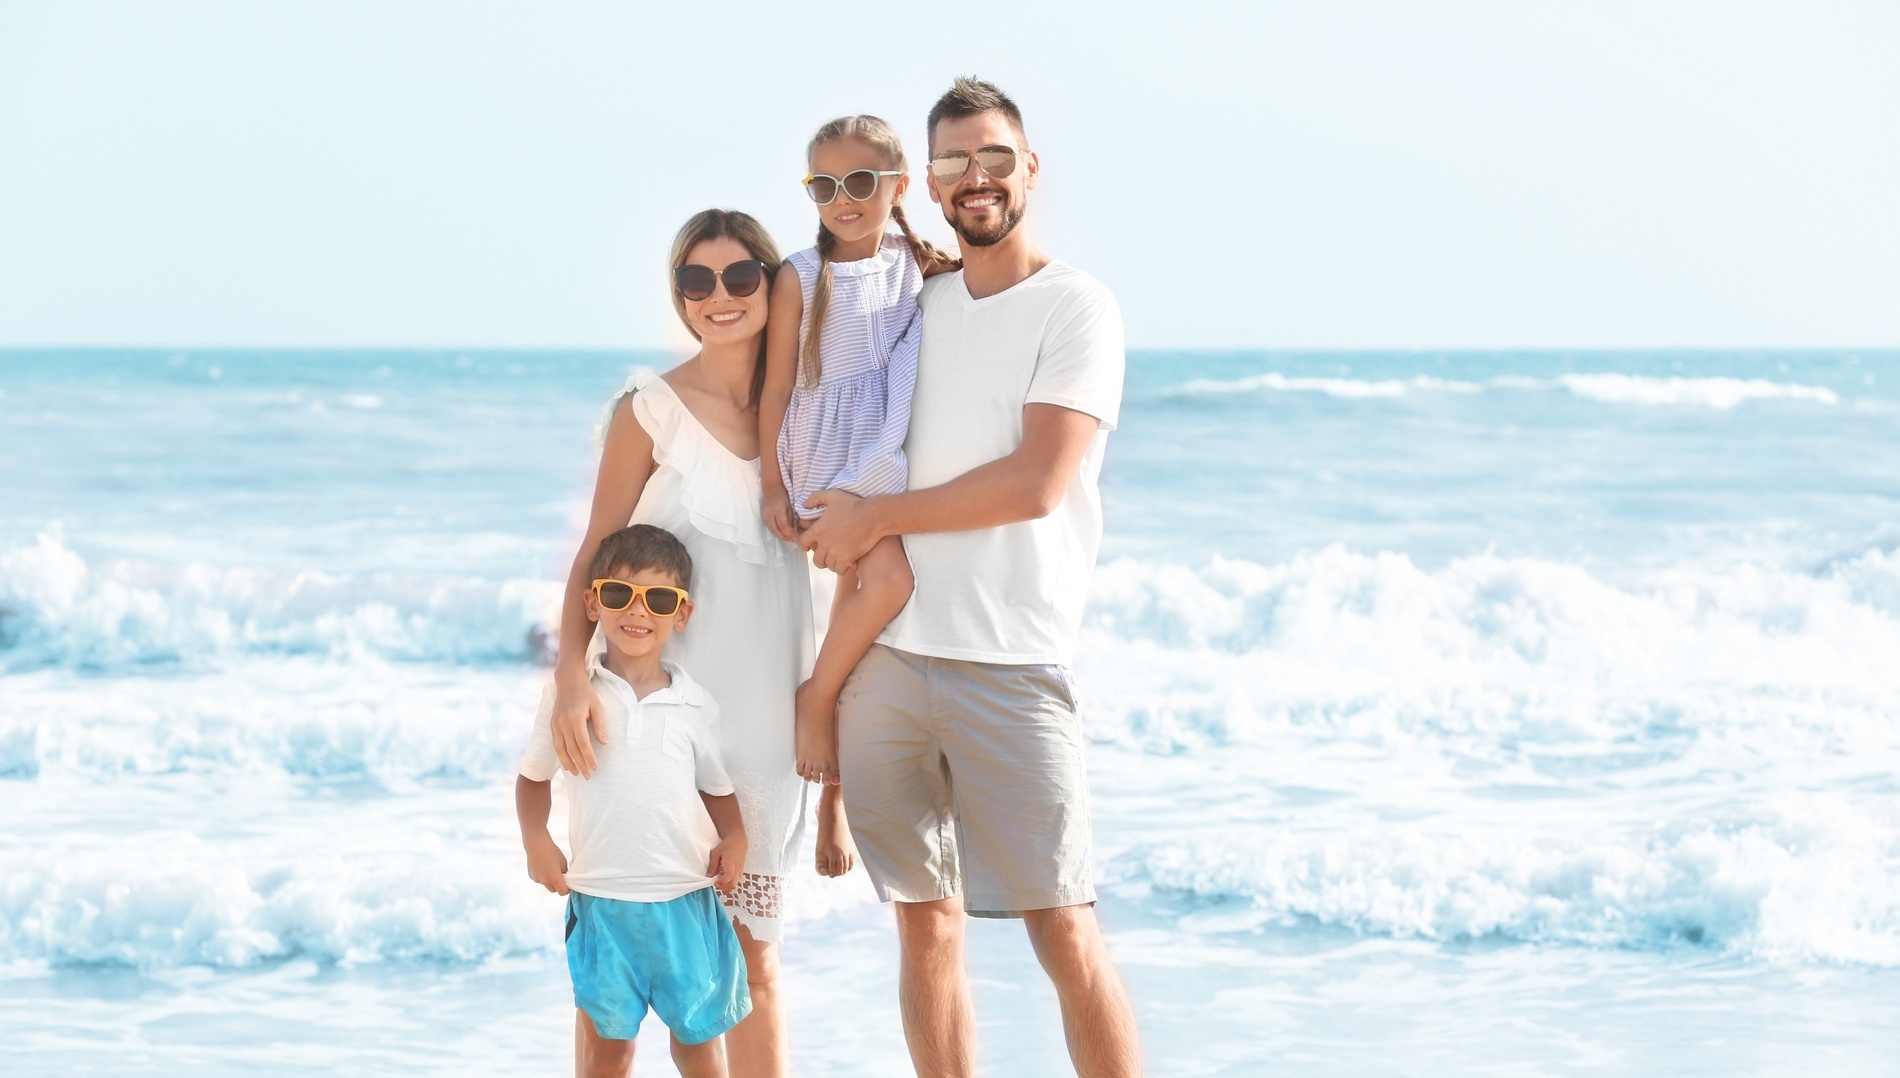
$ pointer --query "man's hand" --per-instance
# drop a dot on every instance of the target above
(547, 865)
(843, 535)
(577, 713)
(779, 517)
(726, 862)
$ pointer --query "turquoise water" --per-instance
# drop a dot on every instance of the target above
(1462, 713)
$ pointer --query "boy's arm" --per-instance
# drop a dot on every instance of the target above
(547, 865)
(728, 857)
(781, 371)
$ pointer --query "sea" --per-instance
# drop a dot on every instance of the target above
(1450, 713)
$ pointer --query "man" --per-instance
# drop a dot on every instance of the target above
(961, 753)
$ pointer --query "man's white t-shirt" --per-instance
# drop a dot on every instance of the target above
(636, 828)
(1014, 594)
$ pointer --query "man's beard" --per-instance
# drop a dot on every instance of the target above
(1011, 216)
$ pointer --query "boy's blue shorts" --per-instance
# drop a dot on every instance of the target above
(681, 958)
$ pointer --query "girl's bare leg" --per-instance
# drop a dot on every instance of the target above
(704, 1060)
(757, 1046)
(883, 585)
(596, 1056)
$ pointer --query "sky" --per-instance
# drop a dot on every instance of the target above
(1334, 174)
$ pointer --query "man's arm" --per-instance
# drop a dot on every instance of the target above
(1026, 484)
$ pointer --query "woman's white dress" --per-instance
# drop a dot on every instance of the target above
(749, 642)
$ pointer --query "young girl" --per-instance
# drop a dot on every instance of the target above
(841, 359)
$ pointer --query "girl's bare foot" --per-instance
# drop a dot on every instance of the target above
(837, 854)
(815, 733)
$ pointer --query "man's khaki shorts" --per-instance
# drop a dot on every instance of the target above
(965, 777)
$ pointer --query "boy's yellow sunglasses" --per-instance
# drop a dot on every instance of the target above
(661, 600)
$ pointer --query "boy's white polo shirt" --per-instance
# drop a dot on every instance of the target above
(637, 828)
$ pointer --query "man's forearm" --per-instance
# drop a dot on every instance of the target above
(989, 496)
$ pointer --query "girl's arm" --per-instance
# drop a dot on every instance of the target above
(781, 370)
(625, 463)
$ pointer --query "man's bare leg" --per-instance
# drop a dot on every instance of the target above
(939, 1019)
(1096, 1016)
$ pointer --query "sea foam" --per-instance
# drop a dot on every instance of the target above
(1717, 393)
(56, 609)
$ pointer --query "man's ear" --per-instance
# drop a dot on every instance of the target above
(1034, 165)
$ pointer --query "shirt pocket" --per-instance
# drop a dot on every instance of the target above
(672, 737)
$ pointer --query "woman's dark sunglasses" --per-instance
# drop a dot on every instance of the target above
(741, 279)
(660, 600)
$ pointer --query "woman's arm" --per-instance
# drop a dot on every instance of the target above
(781, 370)
(626, 461)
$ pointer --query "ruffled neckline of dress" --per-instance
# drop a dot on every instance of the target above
(887, 254)
(719, 489)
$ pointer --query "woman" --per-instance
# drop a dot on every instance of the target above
(680, 452)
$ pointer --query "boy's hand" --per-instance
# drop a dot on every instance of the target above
(577, 713)
(547, 865)
(778, 513)
(726, 862)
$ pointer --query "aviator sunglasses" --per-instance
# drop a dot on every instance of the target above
(858, 185)
(741, 279)
(661, 600)
(949, 166)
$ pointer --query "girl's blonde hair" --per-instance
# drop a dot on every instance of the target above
(882, 137)
(748, 233)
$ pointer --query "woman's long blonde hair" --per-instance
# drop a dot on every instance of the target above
(880, 136)
(748, 233)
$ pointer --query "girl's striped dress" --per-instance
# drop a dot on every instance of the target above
(847, 432)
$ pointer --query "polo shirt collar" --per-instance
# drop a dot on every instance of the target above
(684, 689)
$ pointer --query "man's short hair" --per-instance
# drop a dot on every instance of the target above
(643, 546)
(973, 97)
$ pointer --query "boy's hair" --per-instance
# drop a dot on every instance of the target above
(881, 137)
(643, 546)
(972, 97)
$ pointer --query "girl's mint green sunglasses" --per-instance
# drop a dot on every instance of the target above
(858, 186)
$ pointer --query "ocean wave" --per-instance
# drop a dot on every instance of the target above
(1720, 393)
(1489, 652)
(388, 724)
(1805, 880)
(55, 609)
(179, 901)
(1348, 388)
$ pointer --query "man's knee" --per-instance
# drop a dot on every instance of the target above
(930, 926)
(1067, 936)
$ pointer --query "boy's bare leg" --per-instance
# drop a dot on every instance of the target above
(883, 584)
(758, 1046)
(939, 1019)
(1096, 1015)
(704, 1060)
(596, 1056)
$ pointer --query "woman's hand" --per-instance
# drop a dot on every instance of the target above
(577, 714)
(778, 513)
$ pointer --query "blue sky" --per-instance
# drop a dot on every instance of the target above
(1338, 174)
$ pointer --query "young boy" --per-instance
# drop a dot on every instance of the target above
(653, 831)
